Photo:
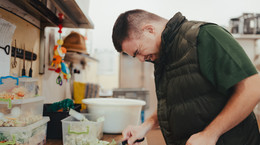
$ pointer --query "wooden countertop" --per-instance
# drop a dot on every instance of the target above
(154, 137)
(106, 137)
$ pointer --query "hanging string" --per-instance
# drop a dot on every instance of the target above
(60, 41)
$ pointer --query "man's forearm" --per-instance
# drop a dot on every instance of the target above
(240, 105)
(151, 122)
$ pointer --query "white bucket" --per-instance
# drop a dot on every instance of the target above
(118, 112)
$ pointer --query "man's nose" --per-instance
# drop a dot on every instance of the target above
(140, 58)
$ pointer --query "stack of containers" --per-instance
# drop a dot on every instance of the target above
(21, 120)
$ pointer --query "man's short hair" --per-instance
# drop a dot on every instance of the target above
(128, 22)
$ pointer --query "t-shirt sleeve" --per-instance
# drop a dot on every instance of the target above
(222, 60)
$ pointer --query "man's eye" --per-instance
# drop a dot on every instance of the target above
(136, 52)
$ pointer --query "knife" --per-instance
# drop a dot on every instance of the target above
(23, 70)
(30, 71)
(125, 142)
(15, 49)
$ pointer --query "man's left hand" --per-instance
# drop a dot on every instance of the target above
(202, 138)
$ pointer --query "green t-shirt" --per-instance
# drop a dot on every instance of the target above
(222, 60)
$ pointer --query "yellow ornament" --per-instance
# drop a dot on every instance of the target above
(56, 53)
(60, 41)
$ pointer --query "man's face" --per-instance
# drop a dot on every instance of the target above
(144, 48)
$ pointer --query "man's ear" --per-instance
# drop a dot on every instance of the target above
(149, 28)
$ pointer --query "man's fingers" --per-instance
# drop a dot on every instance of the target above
(132, 140)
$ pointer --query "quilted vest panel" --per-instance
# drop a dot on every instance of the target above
(187, 102)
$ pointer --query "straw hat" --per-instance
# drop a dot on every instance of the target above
(75, 42)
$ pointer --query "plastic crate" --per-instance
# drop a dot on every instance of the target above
(20, 112)
(34, 134)
(77, 132)
(54, 130)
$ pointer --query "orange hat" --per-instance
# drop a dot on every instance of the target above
(75, 42)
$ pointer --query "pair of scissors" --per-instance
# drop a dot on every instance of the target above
(59, 80)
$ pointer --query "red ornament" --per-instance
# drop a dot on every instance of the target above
(58, 70)
(60, 27)
(61, 16)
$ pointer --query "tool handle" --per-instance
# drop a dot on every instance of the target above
(139, 140)
(30, 72)
(23, 72)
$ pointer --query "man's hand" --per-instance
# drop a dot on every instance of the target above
(239, 106)
(133, 133)
(202, 138)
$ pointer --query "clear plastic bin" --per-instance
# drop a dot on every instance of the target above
(77, 132)
(20, 112)
(30, 84)
(17, 88)
(34, 134)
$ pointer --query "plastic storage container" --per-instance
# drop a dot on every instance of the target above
(54, 130)
(17, 88)
(34, 134)
(20, 112)
(79, 132)
(30, 84)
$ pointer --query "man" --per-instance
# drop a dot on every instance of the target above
(205, 84)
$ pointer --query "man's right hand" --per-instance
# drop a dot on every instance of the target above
(133, 133)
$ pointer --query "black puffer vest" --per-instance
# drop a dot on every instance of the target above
(188, 102)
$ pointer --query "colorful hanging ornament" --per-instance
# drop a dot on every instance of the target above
(58, 58)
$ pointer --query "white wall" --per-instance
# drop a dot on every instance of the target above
(104, 12)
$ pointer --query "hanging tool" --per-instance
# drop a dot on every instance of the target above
(15, 62)
(23, 70)
(6, 49)
(30, 71)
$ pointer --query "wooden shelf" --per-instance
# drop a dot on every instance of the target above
(90, 58)
(247, 36)
(44, 13)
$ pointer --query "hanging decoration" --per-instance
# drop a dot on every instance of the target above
(58, 58)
